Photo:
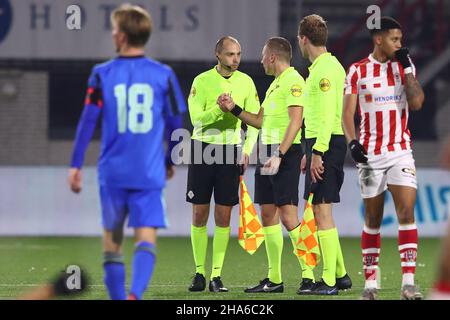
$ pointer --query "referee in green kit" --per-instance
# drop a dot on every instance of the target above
(278, 171)
(325, 148)
(217, 134)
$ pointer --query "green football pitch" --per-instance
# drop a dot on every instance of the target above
(27, 262)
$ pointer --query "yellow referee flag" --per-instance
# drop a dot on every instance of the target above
(251, 234)
(308, 245)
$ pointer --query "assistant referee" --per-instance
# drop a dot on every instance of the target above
(325, 148)
(216, 135)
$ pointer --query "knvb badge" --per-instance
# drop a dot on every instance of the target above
(5, 18)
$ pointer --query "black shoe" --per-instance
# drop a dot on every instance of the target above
(216, 285)
(344, 283)
(198, 283)
(322, 289)
(306, 286)
(266, 286)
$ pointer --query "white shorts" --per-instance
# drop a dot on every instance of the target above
(393, 169)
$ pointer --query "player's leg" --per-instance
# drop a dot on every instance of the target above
(273, 237)
(328, 239)
(373, 184)
(144, 259)
(402, 183)
(326, 192)
(404, 199)
(371, 244)
(199, 236)
(147, 214)
(285, 190)
(441, 289)
(199, 190)
(273, 234)
(226, 195)
(114, 209)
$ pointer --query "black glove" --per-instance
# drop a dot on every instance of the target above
(357, 151)
(402, 56)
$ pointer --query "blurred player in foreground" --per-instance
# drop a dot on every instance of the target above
(441, 289)
(63, 286)
(385, 86)
(137, 98)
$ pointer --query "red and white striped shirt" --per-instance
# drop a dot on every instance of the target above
(382, 105)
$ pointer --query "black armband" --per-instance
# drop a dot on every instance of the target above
(236, 111)
(317, 152)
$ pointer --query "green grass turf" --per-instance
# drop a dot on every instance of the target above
(27, 262)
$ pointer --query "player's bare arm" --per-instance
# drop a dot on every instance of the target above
(348, 115)
(357, 151)
(413, 89)
(226, 103)
(414, 92)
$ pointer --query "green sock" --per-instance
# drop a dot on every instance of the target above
(220, 244)
(307, 271)
(329, 244)
(340, 266)
(273, 235)
(199, 240)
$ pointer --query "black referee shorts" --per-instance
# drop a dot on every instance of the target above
(327, 190)
(282, 188)
(215, 169)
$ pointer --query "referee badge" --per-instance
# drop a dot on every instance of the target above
(193, 92)
(324, 84)
(296, 90)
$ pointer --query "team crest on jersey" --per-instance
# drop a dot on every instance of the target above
(368, 98)
(193, 92)
(296, 90)
(324, 84)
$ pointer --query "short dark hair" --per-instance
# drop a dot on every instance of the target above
(386, 24)
(219, 43)
(314, 27)
(281, 47)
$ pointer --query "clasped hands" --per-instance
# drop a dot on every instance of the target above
(225, 102)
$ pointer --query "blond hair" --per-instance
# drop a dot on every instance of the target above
(135, 22)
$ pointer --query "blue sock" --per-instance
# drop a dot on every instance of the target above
(115, 276)
(143, 263)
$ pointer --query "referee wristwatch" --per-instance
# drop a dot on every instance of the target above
(277, 153)
(319, 153)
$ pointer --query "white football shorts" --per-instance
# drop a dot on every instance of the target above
(393, 169)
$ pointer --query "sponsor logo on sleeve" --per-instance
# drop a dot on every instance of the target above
(324, 84)
(296, 90)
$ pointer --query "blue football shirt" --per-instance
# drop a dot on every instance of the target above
(135, 97)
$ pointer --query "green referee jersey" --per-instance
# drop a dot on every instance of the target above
(212, 125)
(323, 100)
(286, 90)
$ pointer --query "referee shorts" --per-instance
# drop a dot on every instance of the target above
(327, 189)
(282, 188)
(214, 170)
